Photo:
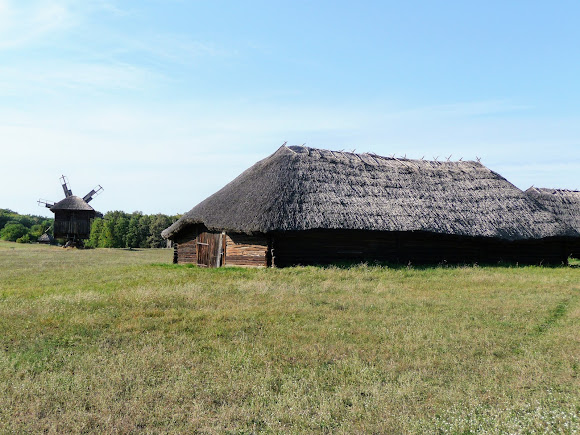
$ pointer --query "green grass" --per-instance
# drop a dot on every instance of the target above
(123, 341)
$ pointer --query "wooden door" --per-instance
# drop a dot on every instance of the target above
(210, 252)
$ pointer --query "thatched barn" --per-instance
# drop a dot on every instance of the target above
(565, 204)
(311, 206)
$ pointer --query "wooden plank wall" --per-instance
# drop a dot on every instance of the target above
(245, 250)
(208, 249)
(328, 247)
(69, 223)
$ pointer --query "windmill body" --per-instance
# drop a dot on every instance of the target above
(72, 215)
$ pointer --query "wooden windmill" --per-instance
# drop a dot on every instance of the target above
(72, 215)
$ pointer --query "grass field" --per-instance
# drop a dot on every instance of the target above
(123, 341)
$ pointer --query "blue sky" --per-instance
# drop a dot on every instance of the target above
(164, 102)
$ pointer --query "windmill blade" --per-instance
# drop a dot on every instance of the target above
(96, 191)
(64, 182)
(47, 204)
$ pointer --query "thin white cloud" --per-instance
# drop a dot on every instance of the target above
(60, 65)
(111, 8)
(23, 23)
(64, 77)
(178, 48)
(465, 109)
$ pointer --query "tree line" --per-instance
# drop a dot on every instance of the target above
(19, 228)
(117, 229)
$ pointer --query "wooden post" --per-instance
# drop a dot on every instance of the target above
(272, 256)
(218, 261)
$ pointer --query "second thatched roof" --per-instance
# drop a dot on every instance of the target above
(565, 204)
(301, 188)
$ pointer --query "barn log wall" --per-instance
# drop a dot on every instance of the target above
(240, 249)
(328, 247)
(245, 250)
(187, 252)
(574, 248)
(185, 249)
(341, 246)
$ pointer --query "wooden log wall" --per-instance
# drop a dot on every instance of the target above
(574, 248)
(186, 247)
(187, 252)
(240, 249)
(327, 247)
(245, 250)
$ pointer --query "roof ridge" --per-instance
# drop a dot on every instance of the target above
(351, 154)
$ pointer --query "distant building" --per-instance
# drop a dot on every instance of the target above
(72, 215)
(46, 239)
(72, 218)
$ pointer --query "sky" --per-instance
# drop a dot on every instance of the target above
(163, 102)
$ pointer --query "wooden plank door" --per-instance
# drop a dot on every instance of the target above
(210, 251)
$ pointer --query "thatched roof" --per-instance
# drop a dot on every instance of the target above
(301, 188)
(565, 204)
(45, 238)
(72, 203)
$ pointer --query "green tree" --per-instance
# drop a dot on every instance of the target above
(27, 221)
(36, 231)
(24, 239)
(6, 215)
(12, 231)
(158, 223)
(107, 239)
(120, 232)
(96, 233)
(118, 229)
(133, 239)
(35, 226)
(144, 223)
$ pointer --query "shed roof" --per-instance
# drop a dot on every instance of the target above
(72, 203)
(301, 188)
(46, 238)
(565, 204)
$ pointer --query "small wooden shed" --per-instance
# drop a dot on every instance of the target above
(304, 205)
(46, 239)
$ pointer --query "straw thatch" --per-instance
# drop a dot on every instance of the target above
(300, 188)
(565, 204)
(73, 203)
(46, 238)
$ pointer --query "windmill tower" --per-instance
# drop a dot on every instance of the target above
(72, 215)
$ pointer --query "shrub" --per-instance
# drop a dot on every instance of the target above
(13, 231)
(24, 239)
